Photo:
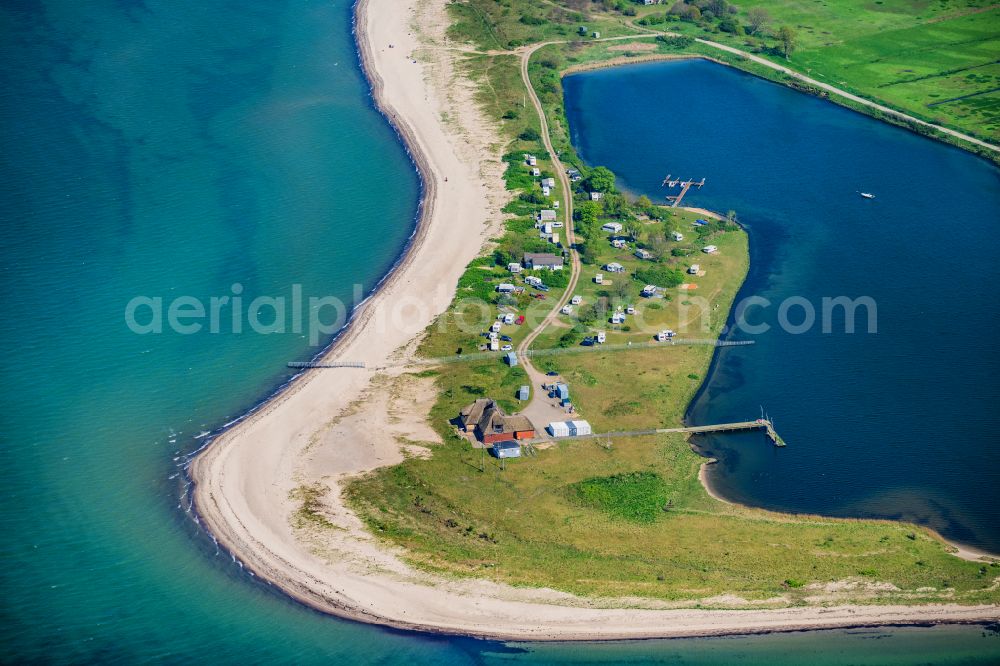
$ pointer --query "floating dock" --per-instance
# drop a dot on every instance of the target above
(685, 185)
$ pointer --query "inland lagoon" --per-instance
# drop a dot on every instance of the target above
(898, 423)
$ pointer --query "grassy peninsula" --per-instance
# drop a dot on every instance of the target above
(625, 517)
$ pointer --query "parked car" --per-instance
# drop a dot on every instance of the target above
(551, 373)
(506, 338)
(507, 348)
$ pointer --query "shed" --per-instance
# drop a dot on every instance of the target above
(524, 392)
(577, 428)
(511, 359)
(562, 391)
(548, 182)
(506, 449)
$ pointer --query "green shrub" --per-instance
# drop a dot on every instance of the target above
(635, 496)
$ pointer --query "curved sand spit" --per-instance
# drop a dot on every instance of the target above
(245, 478)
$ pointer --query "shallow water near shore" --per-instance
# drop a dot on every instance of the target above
(170, 149)
(901, 423)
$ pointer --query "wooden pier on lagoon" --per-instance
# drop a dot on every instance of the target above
(685, 185)
(758, 424)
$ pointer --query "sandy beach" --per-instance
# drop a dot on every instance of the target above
(333, 424)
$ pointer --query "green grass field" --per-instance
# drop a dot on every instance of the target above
(632, 520)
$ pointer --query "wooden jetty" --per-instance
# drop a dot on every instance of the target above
(685, 185)
(330, 364)
(757, 424)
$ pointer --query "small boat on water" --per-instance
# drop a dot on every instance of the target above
(868, 195)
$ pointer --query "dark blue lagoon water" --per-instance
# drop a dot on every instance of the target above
(177, 148)
(902, 423)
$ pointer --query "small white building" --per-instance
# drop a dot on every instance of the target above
(555, 204)
(649, 290)
(547, 228)
(576, 300)
(677, 236)
(567, 309)
(596, 196)
(599, 278)
(505, 288)
(614, 267)
(531, 160)
(546, 191)
(709, 249)
(535, 171)
(613, 227)
(554, 238)
(694, 268)
(558, 429)
(514, 267)
(546, 215)
(578, 428)
(548, 182)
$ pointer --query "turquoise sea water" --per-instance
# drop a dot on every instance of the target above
(900, 423)
(176, 148)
